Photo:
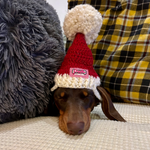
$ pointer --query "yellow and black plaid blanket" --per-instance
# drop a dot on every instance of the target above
(121, 52)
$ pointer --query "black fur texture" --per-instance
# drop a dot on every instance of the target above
(31, 51)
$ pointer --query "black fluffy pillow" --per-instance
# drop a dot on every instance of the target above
(31, 50)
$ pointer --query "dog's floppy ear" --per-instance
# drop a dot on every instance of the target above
(108, 107)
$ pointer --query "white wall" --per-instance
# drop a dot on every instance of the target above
(61, 7)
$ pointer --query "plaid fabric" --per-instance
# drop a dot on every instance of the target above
(121, 52)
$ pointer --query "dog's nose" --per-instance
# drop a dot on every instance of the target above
(75, 128)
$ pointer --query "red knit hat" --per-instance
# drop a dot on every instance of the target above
(77, 70)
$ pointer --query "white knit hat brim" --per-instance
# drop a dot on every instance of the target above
(65, 81)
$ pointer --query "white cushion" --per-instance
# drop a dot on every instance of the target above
(43, 133)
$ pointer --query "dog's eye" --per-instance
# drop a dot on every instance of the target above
(62, 94)
(59, 95)
(85, 93)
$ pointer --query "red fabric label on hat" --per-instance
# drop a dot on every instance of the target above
(79, 72)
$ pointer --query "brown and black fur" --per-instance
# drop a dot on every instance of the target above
(75, 106)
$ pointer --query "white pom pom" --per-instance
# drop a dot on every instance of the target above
(83, 19)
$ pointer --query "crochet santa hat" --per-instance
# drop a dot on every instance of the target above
(81, 25)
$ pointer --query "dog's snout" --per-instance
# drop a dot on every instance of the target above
(75, 128)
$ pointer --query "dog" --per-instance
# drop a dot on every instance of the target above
(75, 106)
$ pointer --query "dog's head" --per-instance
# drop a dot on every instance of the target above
(75, 106)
